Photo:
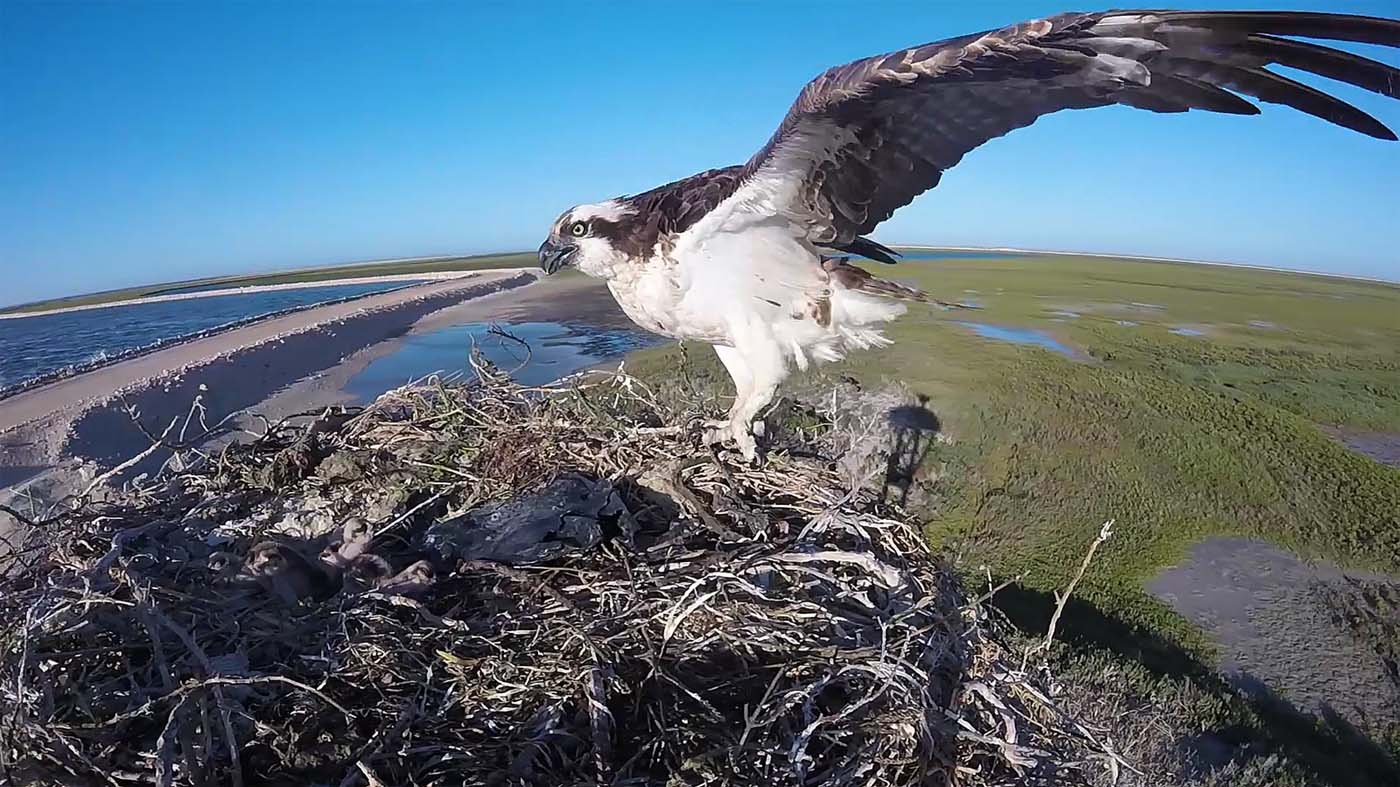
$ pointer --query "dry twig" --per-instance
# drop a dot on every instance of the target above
(1062, 598)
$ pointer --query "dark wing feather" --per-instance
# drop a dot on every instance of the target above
(1179, 93)
(1277, 89)
(1308, 24)
(668, 210)
(1323, 61)
(865, 138)
(871, 250)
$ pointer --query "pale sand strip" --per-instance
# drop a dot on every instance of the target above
(75, 393)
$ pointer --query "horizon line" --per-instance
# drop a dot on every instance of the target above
(919, 246)
(1150, 258)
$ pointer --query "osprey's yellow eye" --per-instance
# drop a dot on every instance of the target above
(579, 229)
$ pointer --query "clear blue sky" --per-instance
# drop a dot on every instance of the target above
(146, 142)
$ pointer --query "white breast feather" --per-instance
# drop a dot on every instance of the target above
(755, 282)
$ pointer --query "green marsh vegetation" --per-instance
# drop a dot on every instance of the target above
(1195, 409)
(1178, 437)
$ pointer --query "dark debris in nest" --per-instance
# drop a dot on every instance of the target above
(320, 606)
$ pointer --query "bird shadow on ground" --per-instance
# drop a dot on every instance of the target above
(1324, 743)
(915, 431)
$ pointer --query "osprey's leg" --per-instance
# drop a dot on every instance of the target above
(768, 371)
(757, 369)
(718, 431)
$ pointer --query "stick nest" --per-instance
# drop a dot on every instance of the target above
(273, 616)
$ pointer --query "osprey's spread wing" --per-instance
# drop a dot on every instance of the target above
(864, 139)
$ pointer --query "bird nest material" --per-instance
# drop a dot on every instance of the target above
(280, 615)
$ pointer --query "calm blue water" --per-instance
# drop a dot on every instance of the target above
(1020, 336)
(35, 346)
(556, 350)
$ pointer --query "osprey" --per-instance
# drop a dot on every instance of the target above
(744, 257)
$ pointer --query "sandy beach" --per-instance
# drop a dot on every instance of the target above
(289, 362)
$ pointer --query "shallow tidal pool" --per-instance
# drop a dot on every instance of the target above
(545, 352)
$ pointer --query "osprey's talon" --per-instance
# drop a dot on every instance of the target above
(729, 433)
(715, 435)
(738, 436)
(748, 449)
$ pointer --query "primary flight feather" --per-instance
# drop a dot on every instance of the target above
(743, 257)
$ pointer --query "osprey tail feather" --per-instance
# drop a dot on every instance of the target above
(855, 279)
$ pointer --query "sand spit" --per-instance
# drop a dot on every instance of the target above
(81, 417)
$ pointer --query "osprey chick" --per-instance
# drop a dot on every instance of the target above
(739, 257)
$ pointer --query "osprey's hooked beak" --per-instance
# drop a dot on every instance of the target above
(554, 256)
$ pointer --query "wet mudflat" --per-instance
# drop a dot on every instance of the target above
(1319, 638)
(1384, 447)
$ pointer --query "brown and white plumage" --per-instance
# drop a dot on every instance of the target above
(735, 256)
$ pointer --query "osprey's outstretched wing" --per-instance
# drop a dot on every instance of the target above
(864, 139)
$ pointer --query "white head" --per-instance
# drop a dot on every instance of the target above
(596, 239)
